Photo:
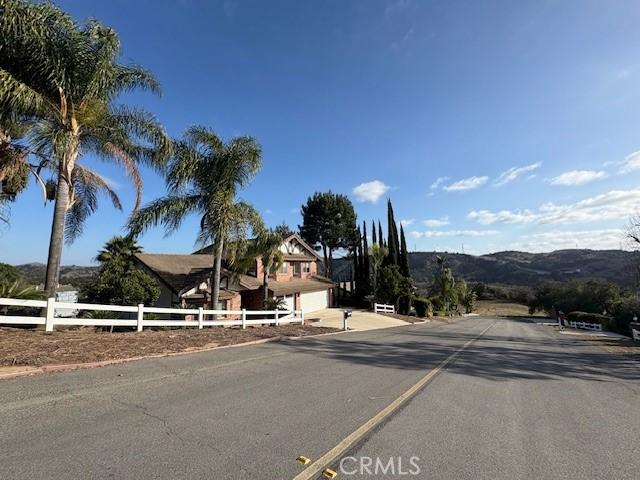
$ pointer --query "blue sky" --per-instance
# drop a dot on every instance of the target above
(527, 112)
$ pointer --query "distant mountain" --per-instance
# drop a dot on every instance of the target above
(78, 276)
(522, 268)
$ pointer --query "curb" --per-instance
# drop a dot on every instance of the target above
(116, 361)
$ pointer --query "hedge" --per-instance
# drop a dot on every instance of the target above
(421, 305)
(589, 318)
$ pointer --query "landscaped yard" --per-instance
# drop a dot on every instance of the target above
(35, 348)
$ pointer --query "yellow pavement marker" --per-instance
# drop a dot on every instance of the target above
(303, 460)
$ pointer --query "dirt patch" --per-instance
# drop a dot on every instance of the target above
(405, 318)
(36, 348)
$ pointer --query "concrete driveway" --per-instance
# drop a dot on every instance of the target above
(360, 319)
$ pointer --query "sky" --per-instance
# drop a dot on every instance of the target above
(491, 125)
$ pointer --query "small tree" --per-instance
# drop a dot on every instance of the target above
(328, 223)
(119, 281)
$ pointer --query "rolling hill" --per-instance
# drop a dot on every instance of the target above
(522, 268)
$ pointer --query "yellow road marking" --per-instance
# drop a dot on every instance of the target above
(329, 457)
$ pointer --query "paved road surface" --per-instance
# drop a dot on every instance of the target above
(519, 402)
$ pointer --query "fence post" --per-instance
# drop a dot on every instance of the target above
(200, 317)
(140, 316)
(277, 317)
(51, 311)
(302, 316)
(244, 318)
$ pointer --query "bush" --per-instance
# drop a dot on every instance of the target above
(587, 317)
(422, 306)
(623, 312)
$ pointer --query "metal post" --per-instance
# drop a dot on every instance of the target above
(51, 310)
(200, 317)
(277, 317)
(140, 316)
(244, 318)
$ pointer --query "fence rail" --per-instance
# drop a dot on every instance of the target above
(191, 317)
(586, 326)
(383, 308)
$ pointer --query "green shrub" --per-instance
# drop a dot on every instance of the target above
(421, 305)
(623, 312)
(587, 317)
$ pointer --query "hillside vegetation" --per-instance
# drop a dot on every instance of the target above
(522, 268)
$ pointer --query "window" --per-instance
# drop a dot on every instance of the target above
(284, 268)
(297, 268)
(306, 267)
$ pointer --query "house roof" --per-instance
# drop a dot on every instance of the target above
(300, 257)
(182, 271)
(313, 284)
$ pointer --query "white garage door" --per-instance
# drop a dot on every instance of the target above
(312, 301)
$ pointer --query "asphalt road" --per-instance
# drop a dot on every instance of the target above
(519, 402)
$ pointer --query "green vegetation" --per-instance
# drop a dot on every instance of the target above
(614, 306)
(329, 224)
(586, 317)
(62, 81)
(204, 177)
(120, 282)
(381, 271)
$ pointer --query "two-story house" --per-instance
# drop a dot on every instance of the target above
(185, 280)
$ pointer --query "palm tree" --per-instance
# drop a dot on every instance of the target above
(119, 247)
(63, 79)
(377, 255)
(204, 177)
(268, 246)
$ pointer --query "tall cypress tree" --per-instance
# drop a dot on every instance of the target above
(366, 272)
(404, 254)
(380, 237)
(394, 245)
(374, 240)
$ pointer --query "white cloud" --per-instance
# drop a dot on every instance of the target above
(407, 221)
(453, 233)
(466, 184)
(439, 181)
(370, 191)
(514, 172)
(631, 163)
(550, 241)
(574, 178)
(436, 222)
(616, 204)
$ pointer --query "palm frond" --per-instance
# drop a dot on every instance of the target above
(169, 212)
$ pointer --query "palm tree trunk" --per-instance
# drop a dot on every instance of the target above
(265, 284)
(215, 280)
(57, 235)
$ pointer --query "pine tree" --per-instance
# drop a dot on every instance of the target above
(404, 254)
(366, 273)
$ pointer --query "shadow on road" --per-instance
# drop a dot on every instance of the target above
(496, 357)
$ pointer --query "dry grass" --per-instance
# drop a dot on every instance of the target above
(496, 308)
(36, 348)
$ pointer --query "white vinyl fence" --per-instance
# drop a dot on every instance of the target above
(190, 317)
(586, 326)
(383, 308)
